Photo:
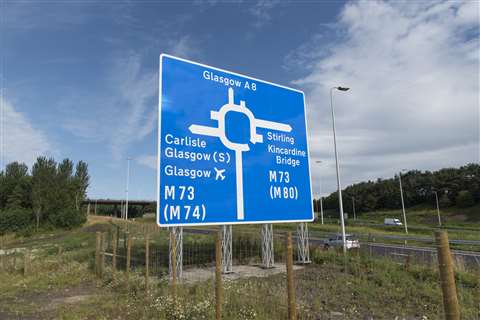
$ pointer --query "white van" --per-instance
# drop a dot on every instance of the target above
(392, 222)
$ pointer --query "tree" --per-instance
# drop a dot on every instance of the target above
(15, 219)
(15, 173)
(20, 196)
(444, 201)
(81, 183)
(43, 186)
(64, 186)
(417, 186)
(464, 199)
(370, 203)
(51, 192)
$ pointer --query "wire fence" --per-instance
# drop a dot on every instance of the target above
(199, 250)
(369, 267)
(357, 267)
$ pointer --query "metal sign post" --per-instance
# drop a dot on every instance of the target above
(303, 244)
(176, 248)
(267, 246)
(227, 249)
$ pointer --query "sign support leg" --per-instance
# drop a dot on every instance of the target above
(267, 246)
(303, 244)
(176, 234)
(239, 182)
(227, 249)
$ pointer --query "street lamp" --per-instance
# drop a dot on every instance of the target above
(320, 193)
(401, 197)
(126, 189)
(342, 221)
(438, 209)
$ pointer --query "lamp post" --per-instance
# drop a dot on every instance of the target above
(403, 204)
(126, 189)
(342, 221)
(438, 209)
(320, 194)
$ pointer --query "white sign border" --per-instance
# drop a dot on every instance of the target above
(160, 141)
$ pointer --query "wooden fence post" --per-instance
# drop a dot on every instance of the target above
(102, 255)
(407, 262)
(218, 277)
(114, 258)
(125, 236)
(2, 256)
(447, 276)
(147, 262)
(97, 252)
(26, 263)
(117, 239)
(129, 256)
(15, 261)
(292, 309)
(478, 293)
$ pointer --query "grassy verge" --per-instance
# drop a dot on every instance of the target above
(63, 287)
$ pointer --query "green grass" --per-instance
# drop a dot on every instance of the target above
(362, 287)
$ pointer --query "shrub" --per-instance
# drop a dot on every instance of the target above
(444, 201)
(464, 199)
(15, 219)
(67, 218)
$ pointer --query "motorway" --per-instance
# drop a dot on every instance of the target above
(370, 237)
(416, 255)
(416, 227)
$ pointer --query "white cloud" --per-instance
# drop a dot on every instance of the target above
(136, 90)
(29, 15)
(261, 11)
(413, 68)
(19, 139)
(127, 106)
(184, 47)
(125, 111)
(148, 161)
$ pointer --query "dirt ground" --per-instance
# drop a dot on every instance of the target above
(37, 306)
(239, 272)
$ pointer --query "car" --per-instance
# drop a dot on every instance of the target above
(336, 241)
(392, 222)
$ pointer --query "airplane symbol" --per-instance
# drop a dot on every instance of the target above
(219, 174)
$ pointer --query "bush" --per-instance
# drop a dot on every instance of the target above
(444, 201)
(15, 219)
(464, 199)
(67, 218)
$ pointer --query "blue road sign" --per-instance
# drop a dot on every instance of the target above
(231, 149)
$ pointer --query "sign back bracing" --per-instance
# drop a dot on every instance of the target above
(231, 149)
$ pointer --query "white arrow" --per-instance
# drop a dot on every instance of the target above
(204, 130)
(238, 148)
(272, 125)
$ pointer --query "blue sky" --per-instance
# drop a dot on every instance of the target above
(79, 79)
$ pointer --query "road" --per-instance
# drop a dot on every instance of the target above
(416, 255)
